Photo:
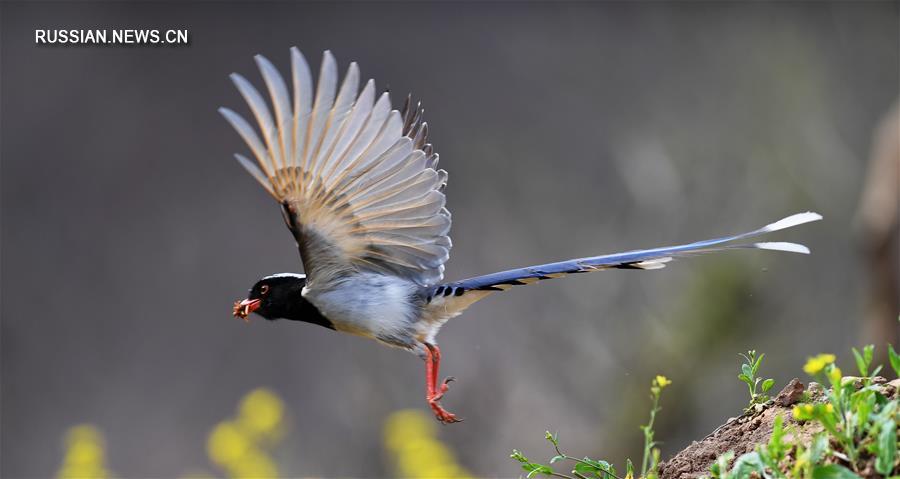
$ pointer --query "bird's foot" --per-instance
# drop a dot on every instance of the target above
(440, 413)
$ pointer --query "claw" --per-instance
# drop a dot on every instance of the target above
(441, 414)
(445, 385)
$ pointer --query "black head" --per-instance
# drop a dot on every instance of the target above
(280, 296)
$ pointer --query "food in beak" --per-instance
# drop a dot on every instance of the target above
(242, 309)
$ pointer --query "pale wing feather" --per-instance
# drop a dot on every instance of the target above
(373, 125)
(335, 123)
(255, 172)
(357, 179)
(263, 119)
(250, 137)
(278, 95)
(352, 127)
(303, 94)
(325, 92)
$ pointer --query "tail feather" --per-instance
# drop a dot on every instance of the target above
(655, 258)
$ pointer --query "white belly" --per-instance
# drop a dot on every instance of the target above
(368, 304)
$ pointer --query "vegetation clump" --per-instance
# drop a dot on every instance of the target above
(846, 431)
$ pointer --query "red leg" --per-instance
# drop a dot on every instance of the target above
(432, 394)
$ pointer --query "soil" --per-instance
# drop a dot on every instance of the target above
(742, 434)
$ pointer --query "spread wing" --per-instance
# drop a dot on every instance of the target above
(357, 181)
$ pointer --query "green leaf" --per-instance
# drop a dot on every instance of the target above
(719, 468)
(767, 384)
(537, 469)
(887, 448)
(817, 447)
(877, 370)
(602, 465)
(586, 469)
(745, 378)
(886, 414)
(895, 359)
(746, 464)
(775, 441)
(556, 459)
(747, 370)
(860, 363)
(863, 407)
(757, 363)
(833, 471)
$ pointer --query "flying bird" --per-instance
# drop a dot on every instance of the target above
(361, 192)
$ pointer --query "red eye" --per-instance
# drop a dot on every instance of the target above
(264, 289)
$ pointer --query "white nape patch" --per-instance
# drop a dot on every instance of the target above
(782, 246)
(793, 220)
(286, 275)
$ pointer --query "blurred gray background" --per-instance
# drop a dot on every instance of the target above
(568, 130)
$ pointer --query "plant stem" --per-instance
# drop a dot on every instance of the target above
(566, 456)
(648, 436)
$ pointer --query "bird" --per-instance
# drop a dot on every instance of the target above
(361, 192)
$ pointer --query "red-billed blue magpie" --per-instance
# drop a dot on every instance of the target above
(360, 190)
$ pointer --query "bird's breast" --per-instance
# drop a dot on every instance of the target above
(368, 304)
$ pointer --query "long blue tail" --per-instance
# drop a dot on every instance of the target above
(640, 259)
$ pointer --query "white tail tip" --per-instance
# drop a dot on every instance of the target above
(782, 246)
(793, 220)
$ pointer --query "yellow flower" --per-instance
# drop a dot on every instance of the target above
(829, 408)
(417, 453)
(803, 412)
(834, 375)
(241, 445)
(662, 381)
(261, 413)
(816, 364)
(85, 454)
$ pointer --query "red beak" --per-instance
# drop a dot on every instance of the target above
(242, 309)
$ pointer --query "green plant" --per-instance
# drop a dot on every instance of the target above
(859, 434)
(587, 468)
(895, 360)
(650, 460)
(748, 376)
(864, 362)
(859, 422)
(583, 468)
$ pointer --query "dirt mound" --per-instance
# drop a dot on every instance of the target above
(742, 434)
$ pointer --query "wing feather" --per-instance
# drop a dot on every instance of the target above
(339, 112)
(325, 92)
(251, 138)
(303, 93)
(352, 127)
(279, 97)
(263, 119)
(255, 172)
(373, 125)
(356, 179)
